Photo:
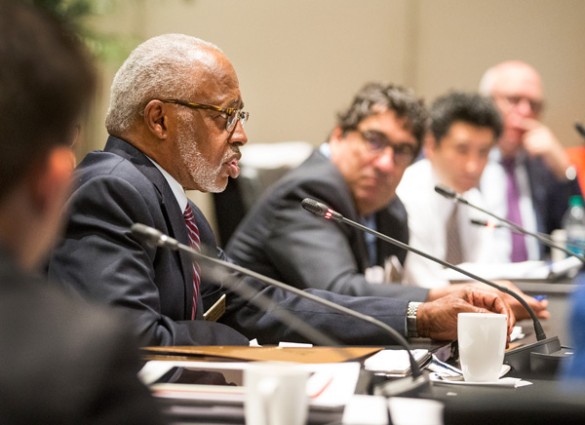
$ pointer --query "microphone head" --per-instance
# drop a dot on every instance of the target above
(320, 209)
(580, 129)
(314, 207)
(445, 191)
(484, 223)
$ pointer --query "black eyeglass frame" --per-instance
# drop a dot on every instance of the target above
(377, 142)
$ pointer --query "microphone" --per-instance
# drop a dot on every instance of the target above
(580, 129)
(218, 272)
(537, 358)
(492, 225)
(451, 194)
(485, 223)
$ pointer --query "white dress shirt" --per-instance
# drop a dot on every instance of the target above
(428, 213)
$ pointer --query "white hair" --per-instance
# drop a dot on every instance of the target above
(493, 74)
(488, 81)
(156, 68)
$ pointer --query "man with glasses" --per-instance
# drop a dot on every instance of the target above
(356, 173)
(529, 162)
(176, 124)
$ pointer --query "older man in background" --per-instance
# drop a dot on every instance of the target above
(529, 178)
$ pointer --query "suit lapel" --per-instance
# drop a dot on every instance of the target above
(173, 215)
(345, 206)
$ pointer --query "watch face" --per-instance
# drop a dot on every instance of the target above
(571, 172)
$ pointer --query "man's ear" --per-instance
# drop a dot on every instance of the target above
(156, 119)
(430, 145)
(50, 180)
(336, 135)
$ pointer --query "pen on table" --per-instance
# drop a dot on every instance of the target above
(540, 297)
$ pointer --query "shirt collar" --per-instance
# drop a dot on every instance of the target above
(325, 149)
(176, 187)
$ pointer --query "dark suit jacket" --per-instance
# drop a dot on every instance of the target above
(99, 258)
(280, 239)
(64, 361)
(550, 197)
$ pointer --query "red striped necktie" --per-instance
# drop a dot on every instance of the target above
(195, 242)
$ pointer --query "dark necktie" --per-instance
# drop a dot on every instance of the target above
(453, 241)
(195, 242)
(513, 198)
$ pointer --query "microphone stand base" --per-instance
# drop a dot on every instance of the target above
(403, 386)
(540, 359)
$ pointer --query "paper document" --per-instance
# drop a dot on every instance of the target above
(330, 385)
(395, 362)
(526, 270)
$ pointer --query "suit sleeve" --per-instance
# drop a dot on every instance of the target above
(316, 253)
(254, 322)
(102, 261)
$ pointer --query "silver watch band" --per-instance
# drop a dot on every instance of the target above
(411, 319)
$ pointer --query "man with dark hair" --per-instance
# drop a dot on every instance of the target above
(176, 123)
(464, 128)
(355, 173)
(63, 361)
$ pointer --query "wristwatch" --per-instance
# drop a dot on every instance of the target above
(571, 172)
(411, 311)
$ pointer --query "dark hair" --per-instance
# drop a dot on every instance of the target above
(395, 98)
(46, 82)
(470, 108)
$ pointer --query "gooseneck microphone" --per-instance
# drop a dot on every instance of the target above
(451, 194)
(218, 269)
(520, 358)
(154, 237)
(580, 129)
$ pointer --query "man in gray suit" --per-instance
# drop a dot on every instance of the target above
(62, 360)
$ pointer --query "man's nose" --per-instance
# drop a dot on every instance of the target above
(239, 135)
(472, 165)
(384, 162)
(525, 107)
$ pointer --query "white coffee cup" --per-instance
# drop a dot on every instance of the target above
(275, 394)
(482, 342)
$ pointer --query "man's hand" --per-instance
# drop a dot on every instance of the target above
(438, 319)
(539, 307)
(540, 141)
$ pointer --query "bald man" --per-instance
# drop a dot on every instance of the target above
(529, 178)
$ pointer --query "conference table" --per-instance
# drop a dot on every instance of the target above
(544, 401)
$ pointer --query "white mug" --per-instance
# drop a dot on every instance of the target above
(275, 394)
(482, 342)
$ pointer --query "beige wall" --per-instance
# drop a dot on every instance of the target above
(300, 61)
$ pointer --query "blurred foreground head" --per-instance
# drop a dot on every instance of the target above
(46, 82)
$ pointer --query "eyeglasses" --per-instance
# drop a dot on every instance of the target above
(232, 115)
(377, 142)
(536, 106)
